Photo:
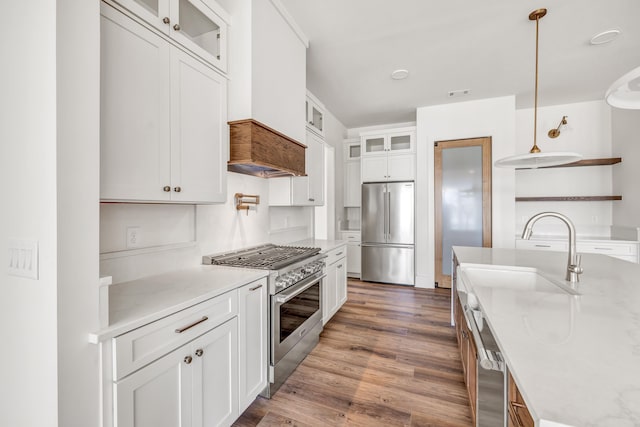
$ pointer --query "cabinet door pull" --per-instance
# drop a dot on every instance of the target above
(188, 360)
(191, 325)
(177, 189)
(255, 288)
(176, 27)
(312, 200)
(603, 249)
(199, 352)
(543, 246)
(340, 266)
(339, 253)
(166, 20)
(166, 188)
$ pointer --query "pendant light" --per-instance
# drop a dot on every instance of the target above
(625, 92)
(535, 158)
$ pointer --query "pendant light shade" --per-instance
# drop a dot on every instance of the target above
(535, 158)
(625, 92)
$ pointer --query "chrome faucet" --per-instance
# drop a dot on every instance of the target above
(573, 263)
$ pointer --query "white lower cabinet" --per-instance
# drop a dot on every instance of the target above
(195, 385)
(198, 367)
(354, 256)
(622, 249)
(253, 344)
(335, 284)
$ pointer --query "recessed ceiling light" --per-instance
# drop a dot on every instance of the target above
(399, 74)
(605, 37)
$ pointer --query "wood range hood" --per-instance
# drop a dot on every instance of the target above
(256, 149)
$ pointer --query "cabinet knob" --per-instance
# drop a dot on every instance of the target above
(176, 27)
(312, 200)
(199, 352)
(166, 188)
(177, 189)
(166, 20)
(188, 360)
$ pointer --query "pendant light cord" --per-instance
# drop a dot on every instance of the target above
(535, 148)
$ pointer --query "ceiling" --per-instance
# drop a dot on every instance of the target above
(485, 46)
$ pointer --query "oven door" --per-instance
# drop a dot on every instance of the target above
(294, 311)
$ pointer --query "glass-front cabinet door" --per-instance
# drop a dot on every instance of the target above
(401, 142)
(314, 116)
(372, 145)
(198, 25)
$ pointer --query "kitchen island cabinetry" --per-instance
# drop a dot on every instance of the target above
(517, 410)
(198, 25)
(468, 356)
(335, 284)
(163, 133)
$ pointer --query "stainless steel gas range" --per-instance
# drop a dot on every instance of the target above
(295, 301)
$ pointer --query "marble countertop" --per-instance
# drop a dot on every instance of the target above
(575, 358)
(139, 302)
(324, 245)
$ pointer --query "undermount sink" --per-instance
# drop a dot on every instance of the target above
(515, 279)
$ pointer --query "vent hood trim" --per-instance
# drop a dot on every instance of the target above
(258, 150)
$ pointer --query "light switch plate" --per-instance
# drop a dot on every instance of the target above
(23, 258)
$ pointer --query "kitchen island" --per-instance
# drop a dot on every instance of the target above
(574, 358)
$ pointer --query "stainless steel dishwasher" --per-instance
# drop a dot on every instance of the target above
(492, 385)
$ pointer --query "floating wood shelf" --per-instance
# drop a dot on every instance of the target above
(586, 162)
(568, 199)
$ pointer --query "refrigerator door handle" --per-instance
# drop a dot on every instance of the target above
(389, 216)
(386, 216)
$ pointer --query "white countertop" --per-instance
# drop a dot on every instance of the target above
(576, 359)
(324, 245)
(138, 302)
(554, 237)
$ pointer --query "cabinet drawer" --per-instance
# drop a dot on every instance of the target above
(608, 248)
(542, 245)
(351, 236)
(335, 254)
(143, 345)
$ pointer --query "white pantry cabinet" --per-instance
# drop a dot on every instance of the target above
(352, 173)
(388, 156)
(163, 134)
(335, 284)
(198, 25)
(302, 190)
(253, 346)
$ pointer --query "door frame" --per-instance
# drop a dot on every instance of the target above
(444, 281)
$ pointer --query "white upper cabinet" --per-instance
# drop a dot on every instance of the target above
(388, 156)
(397, 141)
(163, 131)
(198, 25)
(314, 115)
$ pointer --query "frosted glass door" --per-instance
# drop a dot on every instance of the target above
(461, 200)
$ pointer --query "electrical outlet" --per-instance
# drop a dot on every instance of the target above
(133, 237)
(23, 258)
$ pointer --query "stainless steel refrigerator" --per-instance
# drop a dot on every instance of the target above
(387, 227)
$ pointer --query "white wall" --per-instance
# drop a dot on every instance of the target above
(78, 154)
(626, 175)
(176, 236)
(588, 132)
(28, 308)
(494, 117)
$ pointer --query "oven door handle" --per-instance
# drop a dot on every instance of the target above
(285, 297)
(488, 359)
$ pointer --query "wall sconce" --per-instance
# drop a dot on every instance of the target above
(243, 201)
(554, 133)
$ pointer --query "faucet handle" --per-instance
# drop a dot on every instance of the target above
(576, 268)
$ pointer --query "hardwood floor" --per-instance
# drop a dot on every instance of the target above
(389, 357)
